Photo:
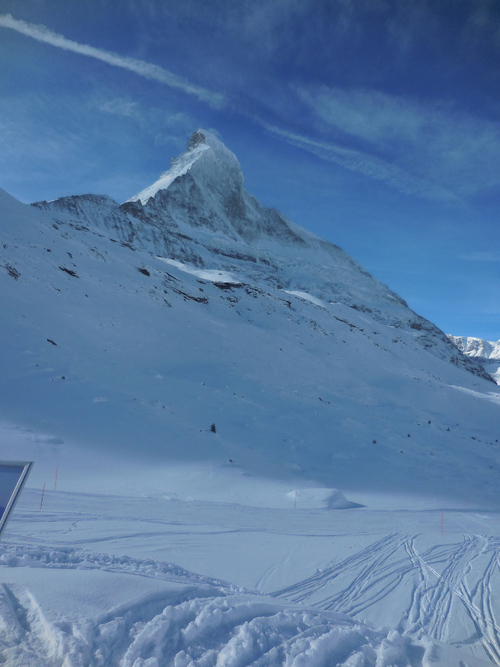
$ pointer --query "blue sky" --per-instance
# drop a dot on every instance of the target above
(374, 123)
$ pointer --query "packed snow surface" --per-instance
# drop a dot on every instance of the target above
(155, 580)
(263, 455)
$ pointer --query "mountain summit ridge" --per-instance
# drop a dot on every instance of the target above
(178, 167)
(208, 158)
(209, 175)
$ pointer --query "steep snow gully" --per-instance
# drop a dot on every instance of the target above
(263, 455)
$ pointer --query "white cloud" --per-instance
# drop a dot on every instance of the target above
(140, 67)
(366, 114)
(120, 106)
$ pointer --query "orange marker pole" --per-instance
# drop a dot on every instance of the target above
(43, 493)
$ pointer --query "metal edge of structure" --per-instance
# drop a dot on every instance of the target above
(26, 469)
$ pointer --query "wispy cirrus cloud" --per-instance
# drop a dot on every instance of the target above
(485, 256)
(364, 163)
(429, 142)
(162, 125)
(139, 67)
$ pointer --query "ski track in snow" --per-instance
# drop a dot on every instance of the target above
(381, 567)
(210, 622)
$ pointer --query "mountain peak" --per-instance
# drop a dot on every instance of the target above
(210, 161)
(197, 138)
(204, 188)
(207, 138)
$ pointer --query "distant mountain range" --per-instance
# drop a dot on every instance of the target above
(484, 351)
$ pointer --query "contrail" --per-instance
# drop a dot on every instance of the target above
(140, 67)
(364, 163)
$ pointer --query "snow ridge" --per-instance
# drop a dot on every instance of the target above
(178, 167)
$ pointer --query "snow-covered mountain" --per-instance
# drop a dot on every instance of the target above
(485, 351)
(195, 348)
(191, 304)
(199, 213)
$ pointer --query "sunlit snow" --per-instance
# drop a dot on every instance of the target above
(179, 167)
(304, 295)
(206, 274)
(242, 477)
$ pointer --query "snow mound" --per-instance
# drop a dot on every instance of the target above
(205, 628)
(331, 499)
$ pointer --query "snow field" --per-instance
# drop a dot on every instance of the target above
(120, 580)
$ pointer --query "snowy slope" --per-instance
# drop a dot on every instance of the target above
(129, 330)
(165, 322)
(103, 580)
(484, 351)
